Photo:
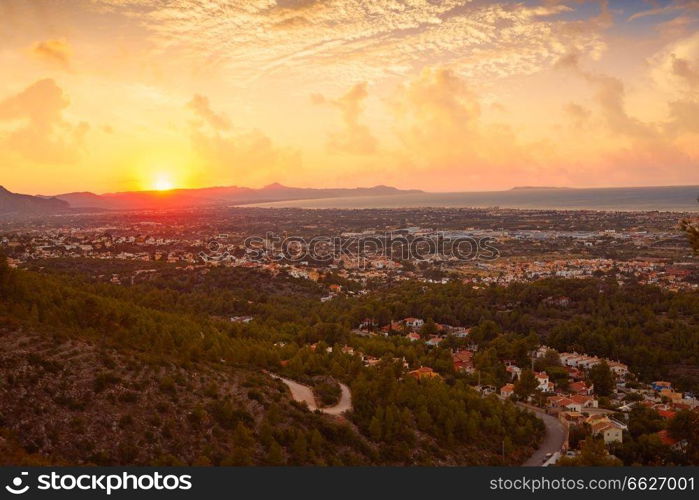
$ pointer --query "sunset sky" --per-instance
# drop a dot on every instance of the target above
(452, 95)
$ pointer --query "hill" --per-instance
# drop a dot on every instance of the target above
(12, 204)
(155, 374)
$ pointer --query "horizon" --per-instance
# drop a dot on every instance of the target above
(349, 188)
(456, 96)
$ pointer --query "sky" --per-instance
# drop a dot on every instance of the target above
(449, 95)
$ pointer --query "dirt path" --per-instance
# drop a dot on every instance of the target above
(304, 394)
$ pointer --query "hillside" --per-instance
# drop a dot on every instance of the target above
(21, 204)
(115, 375)
(91, 405)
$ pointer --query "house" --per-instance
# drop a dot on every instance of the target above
(461, 333)
(571, 417)
(588, 362)
(541, 351)
(413, 337)
(423, 372)
(366, 324)
(371, 361)
(581, 388)
(434, 341)
(667, 414)
(507, 390)
(659, 385)
(463, 361)
(393, 327)
(608, 430)
(574, 373)
(673, 443)
(413, 322)
(544, 384)
(514, 372)
(619, 369)
(673, 396)
(584, 401)
(560, 402)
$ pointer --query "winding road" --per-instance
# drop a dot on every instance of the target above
(304, 394)
(552, 443)
(553, 439)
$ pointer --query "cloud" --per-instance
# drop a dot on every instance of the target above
(35, 126)
(675, 67)
(579, 115)
(684, 117)
(201, 107)
(243, 156)
(441, 131)
(55, 51)
(685, 70)
(675, 6)
(657, 151)
(438, 109)
(355, 138)
(304, 41)
(610, 98)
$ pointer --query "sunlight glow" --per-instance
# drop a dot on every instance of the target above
(162, 184)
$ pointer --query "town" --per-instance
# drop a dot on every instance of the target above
(520, 325)
(525, 246)
(571, 397)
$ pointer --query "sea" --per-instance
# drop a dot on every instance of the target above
(667, 198)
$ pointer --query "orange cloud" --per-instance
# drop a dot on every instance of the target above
(242, 157)
(685, 70)
(54, 51)
(43, 134)
(355, 138)
(201, 107)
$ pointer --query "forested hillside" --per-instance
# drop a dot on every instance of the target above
(95, 373)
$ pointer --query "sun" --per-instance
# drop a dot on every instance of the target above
(162, 184)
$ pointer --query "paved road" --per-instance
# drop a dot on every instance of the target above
(304, 394)
(553, 439)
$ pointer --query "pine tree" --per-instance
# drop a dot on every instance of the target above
(526, 385)
(5, 274)
(375, 428)
(602, 378)
(275, 454)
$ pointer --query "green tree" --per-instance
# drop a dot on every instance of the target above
(685, 427)
(592, 454)
(275, 454)
(526, 385)
(429, 328)
(603, 379)
(5, 273)
(692, 230)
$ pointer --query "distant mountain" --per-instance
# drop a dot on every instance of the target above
(539, 188)
(231, 195)
(13, 204)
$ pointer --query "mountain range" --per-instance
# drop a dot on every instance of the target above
(12, 204)
(177, 198)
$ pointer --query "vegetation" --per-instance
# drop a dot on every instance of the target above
(145, 374)
(166, 347)
(592, 454)
(692, 231)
